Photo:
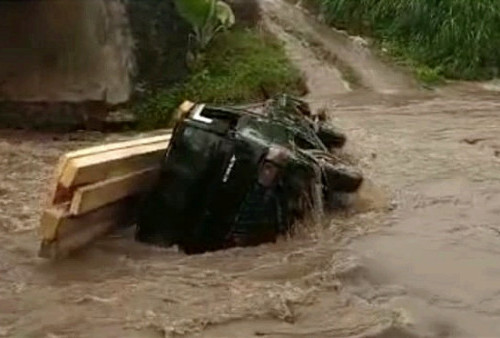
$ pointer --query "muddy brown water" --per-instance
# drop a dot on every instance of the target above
(419, 258)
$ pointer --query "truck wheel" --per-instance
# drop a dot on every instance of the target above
(341, 178)
(331, 137)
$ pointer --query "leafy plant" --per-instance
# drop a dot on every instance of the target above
(241, 66)
(207, 18)
(460, 38)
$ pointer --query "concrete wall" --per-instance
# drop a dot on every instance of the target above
(161, 42)
(68, 62)
(65, 50)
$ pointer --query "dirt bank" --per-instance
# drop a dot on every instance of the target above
(427, 268)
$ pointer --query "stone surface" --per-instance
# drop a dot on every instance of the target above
(70, 51)
(76, 59)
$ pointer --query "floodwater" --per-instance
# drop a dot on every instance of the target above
(418, 257)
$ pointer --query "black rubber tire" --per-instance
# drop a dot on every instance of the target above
(331, 137)
(341, 178)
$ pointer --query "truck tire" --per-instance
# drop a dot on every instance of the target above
(331, 137)
(341, 178)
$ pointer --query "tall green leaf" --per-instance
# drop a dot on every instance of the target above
(196, 12)
(207, 17)
(225, 14)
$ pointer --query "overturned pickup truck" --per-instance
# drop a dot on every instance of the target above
(241, 177)
(223, 177)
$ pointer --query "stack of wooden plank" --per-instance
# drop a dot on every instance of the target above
(96, 190)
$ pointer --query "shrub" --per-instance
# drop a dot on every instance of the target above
(460, 37)
(240, 66)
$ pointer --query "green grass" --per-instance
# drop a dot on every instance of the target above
(240, 66)
(429, 75)
(453, 38)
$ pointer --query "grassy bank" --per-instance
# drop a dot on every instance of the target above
(241, 66)
(453, 38)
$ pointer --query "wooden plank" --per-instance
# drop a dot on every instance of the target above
(59, 193)
(91, 169)
(50, 220)
(74, 233)
(94, 196)
(117, 145)
(182, 110)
